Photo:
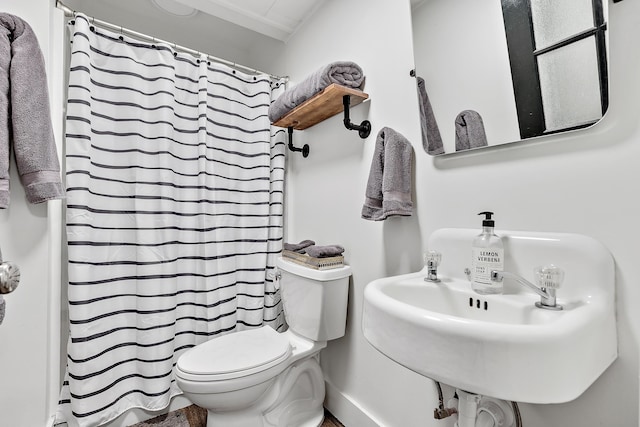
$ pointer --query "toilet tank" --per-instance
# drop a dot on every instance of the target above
(314, 301)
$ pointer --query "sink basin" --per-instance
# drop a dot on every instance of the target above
(501, 346)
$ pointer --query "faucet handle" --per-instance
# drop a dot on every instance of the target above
(432, 261)
(432, 258)
(548, 276)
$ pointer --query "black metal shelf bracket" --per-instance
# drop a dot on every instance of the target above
(304, 149)
(364, 128)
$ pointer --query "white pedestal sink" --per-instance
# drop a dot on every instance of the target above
(501, 345)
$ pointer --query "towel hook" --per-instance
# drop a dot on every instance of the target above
(304, 149)
(364, 128)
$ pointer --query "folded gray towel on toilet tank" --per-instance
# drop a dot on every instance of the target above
(25, 119)
(345, 73)
(431, 139)
(470, 131)
(324, 251)
(388, 190)
(298, 247)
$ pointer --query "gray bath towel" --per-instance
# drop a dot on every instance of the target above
(470, 131)
(324, 251)
(298, 247)
(2, 308)
(25, 119)
(344, 73)
(431, 139)
(389, 186)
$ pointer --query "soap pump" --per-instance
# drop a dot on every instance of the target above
(487, 256)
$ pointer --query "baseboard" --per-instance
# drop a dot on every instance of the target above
(347, 410)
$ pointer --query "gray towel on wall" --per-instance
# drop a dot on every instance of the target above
(470, 131)
(25, 118)
(388, 190)
(431, 139)
(344, 73)
(3, 305)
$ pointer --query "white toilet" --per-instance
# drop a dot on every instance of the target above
(262, 378)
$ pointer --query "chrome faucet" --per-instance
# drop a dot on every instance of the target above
(548, 279)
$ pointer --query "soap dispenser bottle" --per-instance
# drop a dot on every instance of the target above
(487, 255)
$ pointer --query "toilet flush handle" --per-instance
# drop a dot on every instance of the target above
(275, 276)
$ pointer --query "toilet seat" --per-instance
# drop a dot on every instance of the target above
(234, 355)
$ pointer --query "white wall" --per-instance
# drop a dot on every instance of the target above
(582, 182)
(30, 236)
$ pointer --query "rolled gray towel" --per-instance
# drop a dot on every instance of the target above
(388, 191)
(25, 119)
(431, 139)
(298, 247)
(470, 131)
(324, 251)
(345, 73)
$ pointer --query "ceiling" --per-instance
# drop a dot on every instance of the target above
(278, 19)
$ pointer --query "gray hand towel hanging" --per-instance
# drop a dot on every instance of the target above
(388, 190)
(431, 139)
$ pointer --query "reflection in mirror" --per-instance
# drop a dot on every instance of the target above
(501, 71)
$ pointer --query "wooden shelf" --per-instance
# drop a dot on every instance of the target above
(320, 107)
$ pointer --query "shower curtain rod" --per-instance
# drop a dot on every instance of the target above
(71, 13)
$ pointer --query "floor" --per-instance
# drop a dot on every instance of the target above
(330, 420)
(191, 416)
(194, 416)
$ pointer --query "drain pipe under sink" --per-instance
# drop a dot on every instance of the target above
(467, 408)
(475, 410)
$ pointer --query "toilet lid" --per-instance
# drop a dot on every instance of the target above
(237, 354)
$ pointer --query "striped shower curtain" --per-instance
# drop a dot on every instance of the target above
(174, 216)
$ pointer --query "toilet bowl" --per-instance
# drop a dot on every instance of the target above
(263, 378)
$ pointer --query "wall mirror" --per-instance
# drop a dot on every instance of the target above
(492, 72)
